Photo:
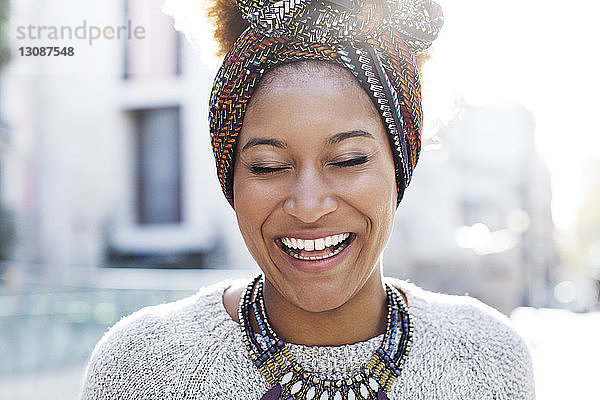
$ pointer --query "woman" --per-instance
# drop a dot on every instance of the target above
(315, 122)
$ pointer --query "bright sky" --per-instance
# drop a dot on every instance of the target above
(540, 53)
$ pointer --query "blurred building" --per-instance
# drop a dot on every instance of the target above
(477, 216)
(6, 220)
(6, 223)
(111, 162)
(107, 163)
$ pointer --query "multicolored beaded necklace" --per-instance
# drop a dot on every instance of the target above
(291, 382)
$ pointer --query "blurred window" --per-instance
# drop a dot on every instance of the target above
(158, 166)
(157, 55)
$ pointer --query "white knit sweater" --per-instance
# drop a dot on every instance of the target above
(192, 349)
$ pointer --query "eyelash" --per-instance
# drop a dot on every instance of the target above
(352, 162)
(262, 170)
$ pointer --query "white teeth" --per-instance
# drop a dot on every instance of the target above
(314, 244)
(319, 244)
(314, 258)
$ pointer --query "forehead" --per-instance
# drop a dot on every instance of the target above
(305, 73)
(310, 102)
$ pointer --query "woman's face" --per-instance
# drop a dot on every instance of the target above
(314, 187)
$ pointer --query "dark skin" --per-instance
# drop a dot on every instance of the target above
(324, 168)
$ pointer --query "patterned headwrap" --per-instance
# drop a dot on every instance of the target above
(375, 39)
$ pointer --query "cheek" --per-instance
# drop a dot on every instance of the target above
(387, 208)
(373, 192)
(378, 196)
(254, 201)
(249, 221)
(247, 205)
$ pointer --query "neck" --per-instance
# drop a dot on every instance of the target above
(360, 318)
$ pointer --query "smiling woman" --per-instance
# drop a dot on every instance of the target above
(315, 123)
(315, 197)
(325, 172)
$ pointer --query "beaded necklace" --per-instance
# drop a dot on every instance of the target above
(291, 382)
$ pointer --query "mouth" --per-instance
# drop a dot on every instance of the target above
(317, 248)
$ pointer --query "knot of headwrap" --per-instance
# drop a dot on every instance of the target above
(335, 21)
(375, 39)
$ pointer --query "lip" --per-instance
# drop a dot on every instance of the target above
(312, 235)
(316, 266)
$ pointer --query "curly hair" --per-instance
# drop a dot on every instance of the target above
(228, 23)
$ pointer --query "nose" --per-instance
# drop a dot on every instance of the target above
(310, 197)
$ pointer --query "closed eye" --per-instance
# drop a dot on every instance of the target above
(257, 169)
(351, 162)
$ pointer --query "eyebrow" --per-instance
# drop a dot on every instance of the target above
(339, 137)
(258, 141)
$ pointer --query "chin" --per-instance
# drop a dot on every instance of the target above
(319, 295)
